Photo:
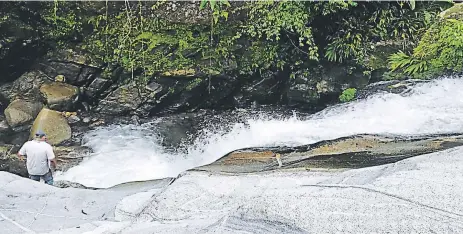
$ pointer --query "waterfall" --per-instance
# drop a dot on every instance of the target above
(134, 153)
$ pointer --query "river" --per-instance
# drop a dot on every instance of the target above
(125, 153)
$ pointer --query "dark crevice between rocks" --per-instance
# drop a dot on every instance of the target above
(19, 58)
(352, 160)
(4, 102)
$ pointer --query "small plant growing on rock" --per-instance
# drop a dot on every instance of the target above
(348, 95)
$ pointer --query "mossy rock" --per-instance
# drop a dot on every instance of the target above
(21, 112)
(182, 72)
(60, 96)
(53, 124)
(455, 12)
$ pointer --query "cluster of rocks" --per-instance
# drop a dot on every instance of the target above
(47, 97)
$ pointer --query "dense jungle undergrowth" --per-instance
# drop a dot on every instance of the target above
(400, 38)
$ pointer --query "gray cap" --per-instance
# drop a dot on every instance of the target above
(40, 133)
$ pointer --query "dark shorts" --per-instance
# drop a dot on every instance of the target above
(48, 177)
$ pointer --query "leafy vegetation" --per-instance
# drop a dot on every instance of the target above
(348, 95)
(356, 35)
(440, 51)
(245, 37)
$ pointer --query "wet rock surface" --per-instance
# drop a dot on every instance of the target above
(393, 86)
(318, 87)
(349, 152)
(182, 129)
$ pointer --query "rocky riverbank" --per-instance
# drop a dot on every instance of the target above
(377, 199)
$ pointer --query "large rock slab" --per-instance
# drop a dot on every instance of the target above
(71, 65)
(416, 195)
(54, 124)
(127, 99)
(22, 112)
(348, 152)
(60, 96)
(29, 206)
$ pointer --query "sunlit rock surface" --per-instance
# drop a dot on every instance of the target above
(346, 152)
(421, 194)
(417, 195)
(27, 206)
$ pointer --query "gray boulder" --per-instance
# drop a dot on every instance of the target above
(60, 96)
(71, 66)
(127, 99)
(318, 87)
(21, 112)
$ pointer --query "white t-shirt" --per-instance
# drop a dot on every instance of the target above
(38, 153)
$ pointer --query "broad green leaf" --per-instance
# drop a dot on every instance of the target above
(412, 4)
(144, 35)
(203, 4)
(212, 2)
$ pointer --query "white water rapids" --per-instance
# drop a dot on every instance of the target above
(133, 153)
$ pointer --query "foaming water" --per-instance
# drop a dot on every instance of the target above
(133, 153)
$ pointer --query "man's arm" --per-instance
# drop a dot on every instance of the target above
(22, 152)
(53, 163)
(51, 157)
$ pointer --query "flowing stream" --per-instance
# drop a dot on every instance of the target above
(134, 153)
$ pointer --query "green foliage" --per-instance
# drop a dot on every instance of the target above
(288, 21)
(194, 83)
(242, 38)
(63, 17)
(217, 8)
(267, 20)
(137, 42)
(440, 51)
(348, 95)
(214, 4)
(354, 35)
(348, 47)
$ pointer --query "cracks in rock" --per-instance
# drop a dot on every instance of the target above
(7, 184)
(446, 213)
(43, 208)
(150, 201)
(27, 230)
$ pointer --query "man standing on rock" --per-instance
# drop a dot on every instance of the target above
(39, 157)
